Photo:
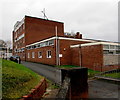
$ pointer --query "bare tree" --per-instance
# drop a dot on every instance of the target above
(8, 44)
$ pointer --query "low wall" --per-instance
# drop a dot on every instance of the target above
(110, 67)
(37, 92)
(74, 84)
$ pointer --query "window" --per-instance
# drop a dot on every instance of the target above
(106, 51)
(111, 51)
(105, 46)
(117, 51)
(42, 44)
(51, 42)
(118, 47)
(49, 54)
(46, 43)
(112, 47)
(21, 29)
(39, 54)
(33, 54)
(23, 55)
(28, 55)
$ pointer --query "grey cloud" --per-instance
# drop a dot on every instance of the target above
(96, 20)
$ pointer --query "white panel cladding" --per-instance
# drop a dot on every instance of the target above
(111, 59)
(95, 43)
(20, 37)
(18, 24)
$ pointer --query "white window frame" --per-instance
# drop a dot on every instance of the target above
(33, 54)
(39, 56)
(49, 56)
(28, 55)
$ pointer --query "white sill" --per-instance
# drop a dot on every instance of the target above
(49, 57)
(40, 57)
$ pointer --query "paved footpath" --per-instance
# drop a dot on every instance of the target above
(52, 73)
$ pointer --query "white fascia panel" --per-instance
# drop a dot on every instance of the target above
(96, 43)
(21, 22)
(41, 41)
(63, 38)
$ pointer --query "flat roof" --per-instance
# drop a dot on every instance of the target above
(95, 43)
(60, 38)
(73, 39)
(43, 19)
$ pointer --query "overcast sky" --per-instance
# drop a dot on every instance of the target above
(95, 19)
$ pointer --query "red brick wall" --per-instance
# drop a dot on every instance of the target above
(37, 92)
(44, 59)
(37, 29)
(75, 56)
(65, 50)
(110, 67)
(92, 57)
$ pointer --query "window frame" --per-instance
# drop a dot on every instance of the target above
(33, 54)
(28, 55)
(49, 56)
(39, 54)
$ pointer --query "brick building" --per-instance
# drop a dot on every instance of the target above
(44, 41)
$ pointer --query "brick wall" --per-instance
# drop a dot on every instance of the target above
(65, 50)
(37, 92)
(91, 57)
(44, 59)
(76, 59)
(37, 29)
(110, 67)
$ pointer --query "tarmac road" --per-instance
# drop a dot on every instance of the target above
(51, 73)
(98, 89)
(104, 90)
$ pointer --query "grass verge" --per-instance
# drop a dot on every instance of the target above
(17, 80)
(66, 66)
(112, 75)
(91, 72)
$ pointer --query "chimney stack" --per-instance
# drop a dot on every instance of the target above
(78, 35)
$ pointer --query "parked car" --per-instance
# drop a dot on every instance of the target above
(15, 59)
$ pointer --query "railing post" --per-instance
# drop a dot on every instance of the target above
(78, 82)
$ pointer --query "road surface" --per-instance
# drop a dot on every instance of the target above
(51, 73)
(97, 88)
(103, 89)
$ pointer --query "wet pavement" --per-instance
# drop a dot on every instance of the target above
(98, 89)
(103, 89)
(51, 73)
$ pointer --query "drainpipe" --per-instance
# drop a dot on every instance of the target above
(56, 46)
(80, 55)
(59, 51)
